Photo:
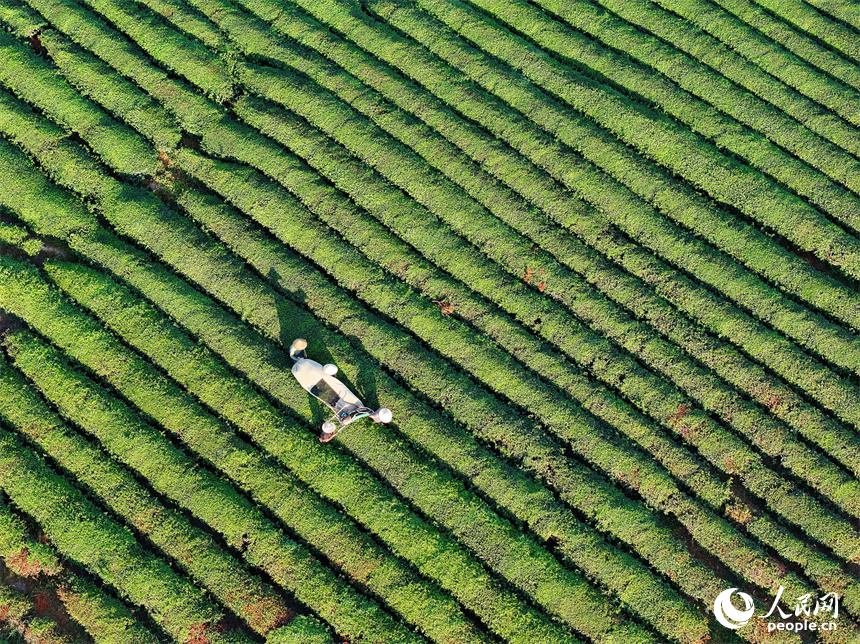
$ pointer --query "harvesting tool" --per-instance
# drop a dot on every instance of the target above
(319, 381)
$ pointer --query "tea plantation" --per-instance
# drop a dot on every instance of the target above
(601, 258)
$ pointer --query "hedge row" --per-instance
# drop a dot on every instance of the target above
(533, 505)
(80, 27)
(535, 400)
(843, 10)
(511, 252)
(91, 32)
(34, 80)
(200, 26)
(818, 25)
(149, 32)
(22, 622)
(678, 246)
(20, 615)
(710, 52)
(588, 183)
(20, 238)
(784, 150)
(633, 294)
(91, 77)
(25, 551)
(777, 49)
(621, 207)
(106, 619)
(241, 237)
(119, 96)
(81, 532)
(45, 207)
(379, 342)
(211, 115)
(115, 205)
(367, 190)
(213, 568)
(814, 26)
(365, 500)
(802, 317)
(416, 600)
(20, 19)
(211, 499)
(317, 523)
(599, 110)
(302, 630)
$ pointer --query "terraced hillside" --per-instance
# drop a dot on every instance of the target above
(600, 257)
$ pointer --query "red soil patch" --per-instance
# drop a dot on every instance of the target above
(22, 565)
(197, 635)
(268, 614)
(41, 603)
(36, 42)
(445, 306)
(682, 411)
(773, 401)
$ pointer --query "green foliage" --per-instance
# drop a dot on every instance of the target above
(705, 52)
(689, 297)
(586, 433)
(19, 237)
(778, 49)
(209, 498)
(654, 136)
(201, 26)
(22, 20)
(727, 134)
(635, 295)
(221, 506)
(513, 253)
(599, 189)
(81, 532)
(844, 10)
(623, 200)
(191, 548)
(122, 98)
(176, 52)
(138, 223)
(36, 82)
(345, 482)
(509, 222)
(44, 207)
(302, 630)
(92, 33)
(14, 540)
(106, 618)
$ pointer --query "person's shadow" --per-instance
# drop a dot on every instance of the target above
(295, 321)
